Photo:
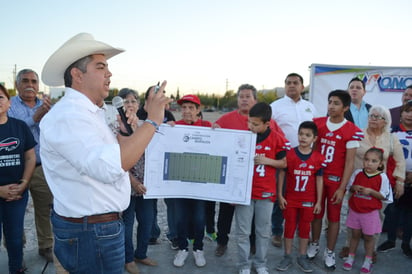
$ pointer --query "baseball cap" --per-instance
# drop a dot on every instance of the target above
(189, 98)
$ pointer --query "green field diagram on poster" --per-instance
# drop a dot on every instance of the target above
(195, 167)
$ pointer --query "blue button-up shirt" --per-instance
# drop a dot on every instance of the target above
(19, 110)
(360, 116)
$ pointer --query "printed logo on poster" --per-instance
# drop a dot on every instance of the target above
(385, 82)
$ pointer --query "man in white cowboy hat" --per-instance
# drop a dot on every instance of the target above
(84, 163)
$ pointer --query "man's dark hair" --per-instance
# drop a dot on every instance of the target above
(309, 125)
(294, 74)
(354, 79)
(343, 95)
(80, 64)
(261, 110)
(247, 86)
(409, 87)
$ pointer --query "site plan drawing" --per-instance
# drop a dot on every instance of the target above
(200, 163)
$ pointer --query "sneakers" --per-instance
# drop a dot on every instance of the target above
(386, 246)
(406, 250)
(304, 264)
(285, 263)
(329, 257)
(220, 250)
(347, 265)
(211, 236)
(200, 260)
(244, 271)
(180, 258)
(313, 250)
(262, 270)
(277, 240)
(174, 244)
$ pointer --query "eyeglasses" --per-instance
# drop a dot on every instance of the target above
(130, 102)
(375, 117)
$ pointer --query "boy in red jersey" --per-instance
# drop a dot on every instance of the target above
(236, 119)
(304, 179)
(270, 154)
(337, 141)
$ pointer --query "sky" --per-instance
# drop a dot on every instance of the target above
(209, 46)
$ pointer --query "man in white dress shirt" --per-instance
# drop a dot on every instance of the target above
(289, 112)
(84, 163)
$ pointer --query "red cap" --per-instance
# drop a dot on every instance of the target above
(189, 98)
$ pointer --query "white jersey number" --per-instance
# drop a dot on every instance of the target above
(260, 169)
(301, 180)
(328, 152)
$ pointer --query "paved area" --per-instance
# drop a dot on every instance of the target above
(391, 262)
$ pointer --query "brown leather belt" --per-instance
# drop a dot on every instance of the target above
(94, 219)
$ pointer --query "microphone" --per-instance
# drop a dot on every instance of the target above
(117, 102)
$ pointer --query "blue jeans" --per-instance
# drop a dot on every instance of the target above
(89, 248)
(190, 212)
(12, 221)
(155, 233)
(171, 218)
(143, 209)
(277, 220)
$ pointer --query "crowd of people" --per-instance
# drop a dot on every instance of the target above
(85, 173)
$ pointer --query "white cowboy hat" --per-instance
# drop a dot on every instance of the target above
(79, 46)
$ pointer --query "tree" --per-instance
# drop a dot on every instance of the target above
(112, 93)
(229, 100)
(12, 92)
(267, 97)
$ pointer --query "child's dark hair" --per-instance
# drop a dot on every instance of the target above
(309, 125)
(379, 152)
(261, 110)
(343, 95)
